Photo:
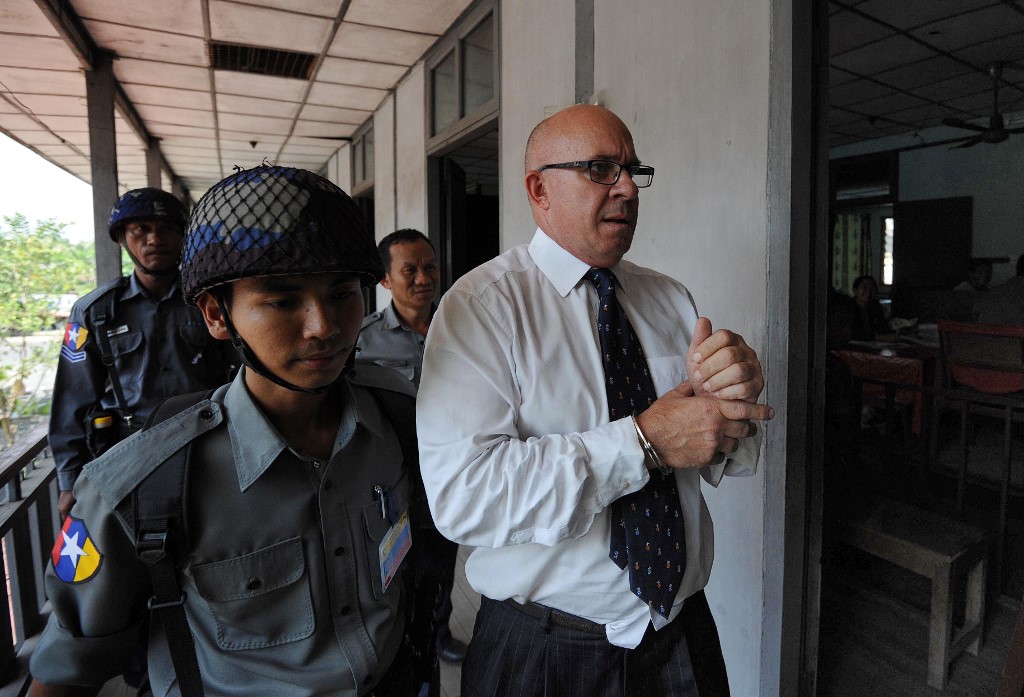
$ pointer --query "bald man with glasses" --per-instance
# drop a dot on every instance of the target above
(571, 404)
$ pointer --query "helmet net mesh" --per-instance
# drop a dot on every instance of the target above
(271, 221)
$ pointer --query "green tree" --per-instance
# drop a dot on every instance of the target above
(37, 266)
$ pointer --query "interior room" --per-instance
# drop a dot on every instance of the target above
(926, 153)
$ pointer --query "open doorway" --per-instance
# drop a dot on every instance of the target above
(916, 197)
(464, 205)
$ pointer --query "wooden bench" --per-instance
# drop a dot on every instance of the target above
(941, 549)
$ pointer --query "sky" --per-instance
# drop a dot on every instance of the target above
(39, 190)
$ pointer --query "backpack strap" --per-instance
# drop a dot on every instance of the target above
(158, 504)
(100, 313)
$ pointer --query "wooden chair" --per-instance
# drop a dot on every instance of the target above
(982, 369)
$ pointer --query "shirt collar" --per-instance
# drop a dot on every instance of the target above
(389, 318)
(560, 267)
(256, 444)
(135, 288)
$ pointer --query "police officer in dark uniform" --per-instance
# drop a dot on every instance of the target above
(130, 343)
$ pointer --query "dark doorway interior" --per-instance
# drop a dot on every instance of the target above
(465, 227)
(365, 203)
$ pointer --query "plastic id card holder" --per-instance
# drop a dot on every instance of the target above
(393, 548)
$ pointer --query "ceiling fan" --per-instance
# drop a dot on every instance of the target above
(996, 131)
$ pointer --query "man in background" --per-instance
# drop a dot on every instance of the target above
(979, 275)
(394, 337)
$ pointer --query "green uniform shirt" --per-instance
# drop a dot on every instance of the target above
(281, 572)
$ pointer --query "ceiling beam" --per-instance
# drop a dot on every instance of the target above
(71, 29)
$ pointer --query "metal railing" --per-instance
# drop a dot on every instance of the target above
(27, 526)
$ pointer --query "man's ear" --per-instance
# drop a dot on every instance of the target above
(215, 321)
(386, 281)
(536, 189)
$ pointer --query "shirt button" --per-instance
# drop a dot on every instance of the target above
(347, 610)
(253, 584)
(338, 551)
(328, 485)
(368, 679)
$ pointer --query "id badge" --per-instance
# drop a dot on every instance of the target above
(393, 548)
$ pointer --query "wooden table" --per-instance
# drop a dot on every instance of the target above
(901, 365)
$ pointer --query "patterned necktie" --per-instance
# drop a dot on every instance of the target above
(647, 525)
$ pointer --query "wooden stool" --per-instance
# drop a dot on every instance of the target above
(936, 547)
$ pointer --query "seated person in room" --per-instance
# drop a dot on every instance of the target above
(1004, 303)
(869, 321)
(979, 275)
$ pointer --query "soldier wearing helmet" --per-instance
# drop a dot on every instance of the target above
(130, 343)
(289, 553)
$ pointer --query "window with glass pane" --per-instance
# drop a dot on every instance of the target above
(358, 173)
(478, 66)
(368, 153)
(444, 94)
(888, 261)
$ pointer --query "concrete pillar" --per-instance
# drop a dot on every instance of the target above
(584, 50)
(153, 164)
(99, 90)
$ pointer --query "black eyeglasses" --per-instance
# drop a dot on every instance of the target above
(607, 172)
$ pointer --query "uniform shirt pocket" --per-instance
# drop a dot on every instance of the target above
(123, 343)
(376, 527)
(260, 599)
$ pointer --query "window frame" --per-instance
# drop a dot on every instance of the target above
(453, 43)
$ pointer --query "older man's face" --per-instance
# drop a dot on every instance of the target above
(594, 222)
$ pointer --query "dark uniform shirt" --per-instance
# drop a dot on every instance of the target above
(385, 341)
(281, 575)
(160, 346)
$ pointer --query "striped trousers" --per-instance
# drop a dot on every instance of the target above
(513, 654)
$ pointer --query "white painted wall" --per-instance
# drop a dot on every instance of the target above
(991, 175)
(690, 78)
(410, 139)
(384, 182)
(537, 70)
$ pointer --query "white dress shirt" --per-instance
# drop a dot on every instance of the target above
(517, 453)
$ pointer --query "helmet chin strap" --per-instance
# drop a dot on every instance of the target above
(252, 361)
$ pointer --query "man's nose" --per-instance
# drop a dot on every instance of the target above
(318, 321)
(625, 186)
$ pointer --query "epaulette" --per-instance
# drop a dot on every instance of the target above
(96, 294)
(379, 377)
(119, 471)
(371, 318)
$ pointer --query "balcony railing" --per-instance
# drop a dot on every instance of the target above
(27, 526)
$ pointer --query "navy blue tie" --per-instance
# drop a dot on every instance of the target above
(647, 525)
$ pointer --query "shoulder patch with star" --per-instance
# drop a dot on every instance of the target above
(73, 346)
(75, 557)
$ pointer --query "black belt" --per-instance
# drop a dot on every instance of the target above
(558, 618)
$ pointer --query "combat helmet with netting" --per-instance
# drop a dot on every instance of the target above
(273, 220)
